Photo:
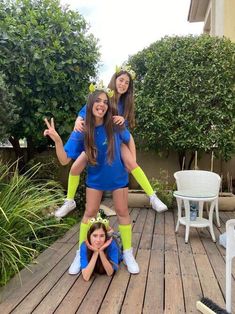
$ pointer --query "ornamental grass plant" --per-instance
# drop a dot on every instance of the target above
(25, 226)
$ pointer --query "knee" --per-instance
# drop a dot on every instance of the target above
(89, 213)
(122, 212)
(130, 164)
(74, 171)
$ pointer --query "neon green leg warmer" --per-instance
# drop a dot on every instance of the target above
(143, 181)
(73, 183)
(83, 232)
(126, 236)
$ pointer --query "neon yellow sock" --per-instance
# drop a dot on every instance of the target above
(126, 236)
(73, 183)
(143, 181)
(83, 232)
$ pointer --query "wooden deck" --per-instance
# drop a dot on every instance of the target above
(173, 276)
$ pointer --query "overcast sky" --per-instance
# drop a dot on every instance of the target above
(125, 27)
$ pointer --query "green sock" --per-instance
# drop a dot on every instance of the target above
(143, 181)
(73, 183)
(126, 236)
(83, 233)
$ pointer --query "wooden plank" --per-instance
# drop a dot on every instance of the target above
(216, 260)
(71, 235)
(139, 223)
(45, 262)
(208, 280)
(159, 227)
(191, 284)
(95, 295)
(41, 290)
(74, 297)
(174, 298)
(158, 242)
(54, 297)
(209, 284)
(169, 223)
(147, 231)
(113, 300)
(134, 297)
(150, 221)
(195, 242)
(154, 295)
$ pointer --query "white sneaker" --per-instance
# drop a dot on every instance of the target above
(157, 204)
(75, 267)
(67, 207)
(130, 261)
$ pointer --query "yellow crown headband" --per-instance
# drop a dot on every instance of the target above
(126, 68)
(100, 86)
(98, 219)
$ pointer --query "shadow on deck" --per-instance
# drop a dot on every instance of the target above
(173, 276)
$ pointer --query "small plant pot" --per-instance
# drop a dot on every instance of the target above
(226, 201)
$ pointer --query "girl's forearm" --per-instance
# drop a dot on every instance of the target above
(60, 152)
(106, 263)
(87, 272)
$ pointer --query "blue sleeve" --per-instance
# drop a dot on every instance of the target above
(75, 145)
(125, 135)
(82, 112)
(83, 255)
(113, 254)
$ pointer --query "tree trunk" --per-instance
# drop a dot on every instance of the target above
(191, 160)
(182, 159)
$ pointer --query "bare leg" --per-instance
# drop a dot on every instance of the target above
(120, 200)
(93, 200)
(79, 164)
(128, 159)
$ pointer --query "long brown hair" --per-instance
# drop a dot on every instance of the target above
(127, 98)
(90, 147)
(99, 268)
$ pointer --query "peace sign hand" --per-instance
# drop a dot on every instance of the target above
(50, 131)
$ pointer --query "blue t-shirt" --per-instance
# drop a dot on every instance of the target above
(112, 251)
(102, 176)
(75, 145)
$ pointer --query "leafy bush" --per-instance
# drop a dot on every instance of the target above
(8, 111)
(185, 96)
(49, 167)
(25, 227)
(48, 57)
(163, 188)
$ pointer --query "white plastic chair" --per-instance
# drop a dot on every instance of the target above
(199, 186)
(230, 253)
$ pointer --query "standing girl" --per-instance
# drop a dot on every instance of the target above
(123, 105)
(105, 169)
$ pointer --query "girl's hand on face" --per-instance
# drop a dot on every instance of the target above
(90, 247)
(119, 120)
(106, 244)
(51, 132)
(79, 125)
